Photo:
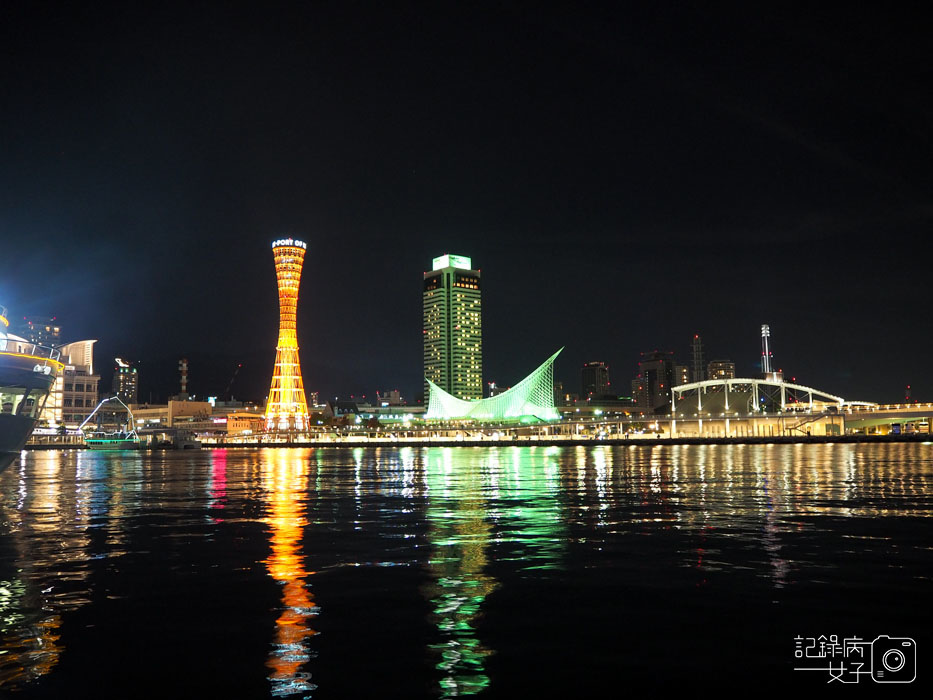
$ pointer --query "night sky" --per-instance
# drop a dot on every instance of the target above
(624, 177)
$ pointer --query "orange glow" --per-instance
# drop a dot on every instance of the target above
(287, 407)
(285, 481)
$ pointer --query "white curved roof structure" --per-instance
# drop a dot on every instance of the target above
(757, 394)
(530, 400)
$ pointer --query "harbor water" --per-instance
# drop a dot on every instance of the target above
(504, 572)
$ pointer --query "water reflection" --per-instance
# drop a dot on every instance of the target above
(525, 487)
(476, 528)
(285, 486)
(496, 504)
(460, 535)
(60, 515)
(217, 485)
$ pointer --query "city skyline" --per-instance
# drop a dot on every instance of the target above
(167, 380)
(628, 178)
(723, 367)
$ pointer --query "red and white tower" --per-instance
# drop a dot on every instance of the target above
(286, 407)
(765, 349)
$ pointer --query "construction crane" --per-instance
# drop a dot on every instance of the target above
(230, 383)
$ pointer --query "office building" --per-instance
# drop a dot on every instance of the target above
(594, 380)
(390, 398)
(125, 385)
(681, 375)
(638, 392)
(453, 328)
(40, 330)
(656, 375)
(721, 369)
(696, 353)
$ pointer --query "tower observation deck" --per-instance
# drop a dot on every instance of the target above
(287, 407)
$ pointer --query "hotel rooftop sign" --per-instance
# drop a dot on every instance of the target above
(460, 261)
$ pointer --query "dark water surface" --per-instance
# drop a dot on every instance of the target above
(509, 572)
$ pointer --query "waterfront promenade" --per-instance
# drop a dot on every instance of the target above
(531, 441)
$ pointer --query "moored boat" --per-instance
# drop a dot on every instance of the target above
(113, 441)
(122, 437)
(27, 373)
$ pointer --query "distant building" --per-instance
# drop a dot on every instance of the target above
(720, 369)
(388, 415)
(562, 397)
(40, 330)
(696, 354)
(681, 375)
(559, 399)
(453, 328)
(594, 380)
(340, 408)
(390, 398)
(639, 396)
(656, 375)
(125, 383)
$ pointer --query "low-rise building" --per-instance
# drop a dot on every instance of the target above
(167, 415)
(243, 423)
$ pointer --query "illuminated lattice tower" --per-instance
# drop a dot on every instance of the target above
(287, 408)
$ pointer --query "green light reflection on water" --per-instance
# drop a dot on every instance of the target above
(500, 505)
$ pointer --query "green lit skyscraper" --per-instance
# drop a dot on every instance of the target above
(453, 327)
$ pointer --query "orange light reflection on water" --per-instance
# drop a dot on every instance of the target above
(285, 485)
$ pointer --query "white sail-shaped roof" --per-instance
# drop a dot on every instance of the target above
(531, 399)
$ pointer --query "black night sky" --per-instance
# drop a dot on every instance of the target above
(624, 176)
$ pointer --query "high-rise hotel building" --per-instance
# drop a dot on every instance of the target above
(125, 384)
(453, 327)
